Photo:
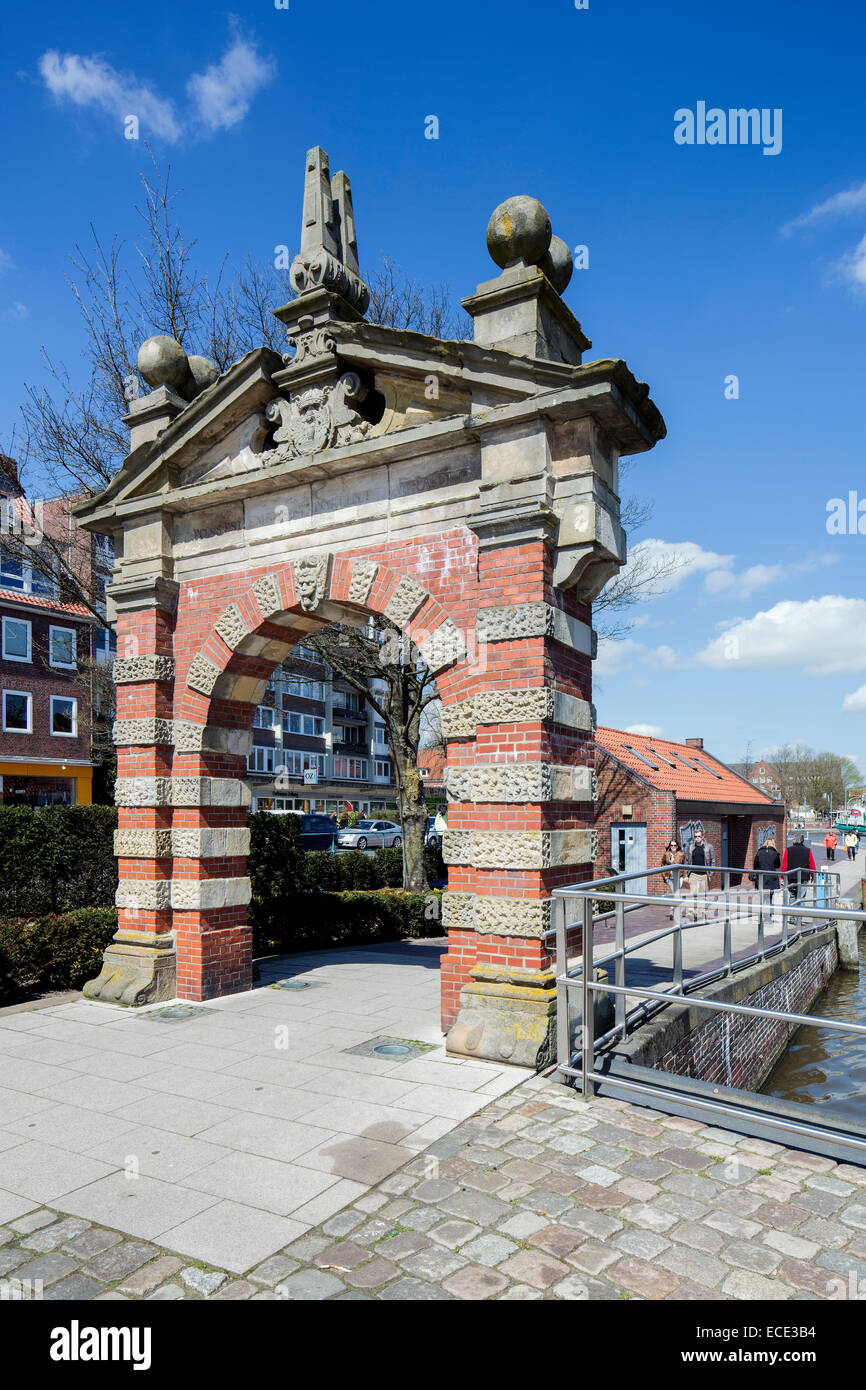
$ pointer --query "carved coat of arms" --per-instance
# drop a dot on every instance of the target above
(318, 417)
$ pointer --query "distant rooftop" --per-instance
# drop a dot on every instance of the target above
(689, 771)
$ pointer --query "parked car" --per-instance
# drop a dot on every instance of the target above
(372, 834)
(431, 835)
(317, 829)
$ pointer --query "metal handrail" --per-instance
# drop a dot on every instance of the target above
(680, 991)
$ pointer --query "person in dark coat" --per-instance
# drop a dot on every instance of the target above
(700, 858)
(798, 866)
(766, 871)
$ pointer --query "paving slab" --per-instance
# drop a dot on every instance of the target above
(432, 1180)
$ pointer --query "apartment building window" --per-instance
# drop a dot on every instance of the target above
(305, 690)
(17, 712)
(311, 724)
(352, 769)
(264, 717)
(104, 644)
(306, 654)
(383, 768)
(260, 759)
(16, 639)
(20, 574)
(61, 647)
(380, 735)
(295, 763)
(64, 716)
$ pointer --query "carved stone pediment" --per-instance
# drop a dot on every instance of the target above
(316, 418)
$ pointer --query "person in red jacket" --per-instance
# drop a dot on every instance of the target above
(831, 840)
(798, 866)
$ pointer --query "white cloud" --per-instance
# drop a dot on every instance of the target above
(221, 95)
(840, 205)
(648, 730)
(726, 583)
(6, 261)
(822, 636)
(614, 655)
(851, 268)
(90, 81)
(690, 558)
(855, 703)
(16, 311)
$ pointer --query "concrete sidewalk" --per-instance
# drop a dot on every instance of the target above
(227, 1130)
(540, 1195)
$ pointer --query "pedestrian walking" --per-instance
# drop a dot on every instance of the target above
(701, 858)
(798, 866)
(852, 840)
(674, 855)
(765, 873)
(831, 840)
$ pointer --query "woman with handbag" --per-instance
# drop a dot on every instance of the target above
(674, 855)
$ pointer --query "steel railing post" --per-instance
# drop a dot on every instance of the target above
(678, 931)
(728, 943)
(563, 1032)
(588, 1020)
(619, 966)
(761, 943)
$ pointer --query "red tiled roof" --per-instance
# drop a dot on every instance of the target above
(675, 767)
(431, 763)
(37, 601)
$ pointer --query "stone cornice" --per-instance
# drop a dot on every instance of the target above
(605, 390)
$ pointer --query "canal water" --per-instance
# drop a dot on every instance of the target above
(825, 1068)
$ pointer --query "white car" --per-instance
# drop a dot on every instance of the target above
(370, 834)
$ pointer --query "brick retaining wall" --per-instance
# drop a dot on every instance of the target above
(733, 1049)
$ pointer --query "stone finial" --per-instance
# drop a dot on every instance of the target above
(558, 265)
(521, 311)
(328, 258)
(163, 362)
(518, 232)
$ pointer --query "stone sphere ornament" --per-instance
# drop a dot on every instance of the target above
(557, 264)
(204, 372)
(163, 362)
(518, 230)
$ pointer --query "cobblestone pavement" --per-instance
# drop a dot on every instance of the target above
(539, 1195)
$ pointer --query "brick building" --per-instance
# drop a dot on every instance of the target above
(651, 790)
(317, 744)
(431, 765)
(47, 645)
(761, 775)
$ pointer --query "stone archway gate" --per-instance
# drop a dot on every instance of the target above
(468, 491)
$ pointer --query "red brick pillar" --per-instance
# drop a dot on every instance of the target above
(138, 967)
(520, 782)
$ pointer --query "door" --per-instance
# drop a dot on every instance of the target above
(628, 853)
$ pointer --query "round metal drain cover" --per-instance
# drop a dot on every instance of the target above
(294, 984)
(392, 1050)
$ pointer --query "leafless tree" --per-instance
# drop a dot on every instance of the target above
(383, 652)
(398, 301)
(646, 575)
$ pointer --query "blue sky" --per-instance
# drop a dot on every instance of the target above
(705, 261)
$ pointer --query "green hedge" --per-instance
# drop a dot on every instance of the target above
(59, 879)
(60, 858)
(338, 919)
(58, 951)
(56, 858)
